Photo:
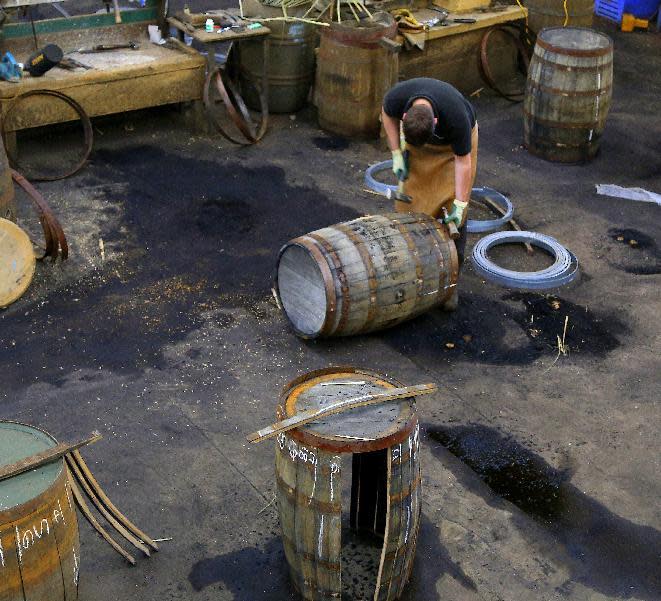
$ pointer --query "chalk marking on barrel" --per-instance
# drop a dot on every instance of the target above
(321, 535)
(66, 488)
(58, 513)
(76, 570)
(2, 555)
(314, 485)
(18, 545)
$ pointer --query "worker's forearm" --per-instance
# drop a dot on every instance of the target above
(391, 127)
(463, 178)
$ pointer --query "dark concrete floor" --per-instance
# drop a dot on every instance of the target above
(541, 473)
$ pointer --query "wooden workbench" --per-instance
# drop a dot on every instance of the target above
(451, 52)
(119, 80)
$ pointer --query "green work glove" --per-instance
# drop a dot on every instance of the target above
(457, 212)
(399, 165)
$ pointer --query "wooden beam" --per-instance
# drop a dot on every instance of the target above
(305, 417)
(48, 456)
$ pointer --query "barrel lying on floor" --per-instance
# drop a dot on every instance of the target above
(367, 274)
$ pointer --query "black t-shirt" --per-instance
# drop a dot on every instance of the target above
(456, 116)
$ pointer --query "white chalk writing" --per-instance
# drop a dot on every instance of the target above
(321, 535)
(303, 453)
(76, 568)
(2, 555)
(27, 538)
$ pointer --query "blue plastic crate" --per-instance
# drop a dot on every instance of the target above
(610, 9)
(613, 9)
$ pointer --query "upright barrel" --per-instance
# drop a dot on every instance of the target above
(568, 94)
(384, 444)
(551, 13)
(366, 274)
(291, 66)
(39, 547)
(353, 73)
(7, 195)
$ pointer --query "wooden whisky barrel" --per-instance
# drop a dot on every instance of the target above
(7, 196)
(568, 94)
(39, 547)
(385, 482)
(353, 74)
(291, 66)
(366, 274)
(551, 13)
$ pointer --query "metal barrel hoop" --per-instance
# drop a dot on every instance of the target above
(216, 77)
(563, 270)
(485, 67)
(84, 119)
(472, 225)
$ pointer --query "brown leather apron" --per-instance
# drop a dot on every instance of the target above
(430, 183)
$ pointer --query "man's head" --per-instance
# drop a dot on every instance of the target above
(418, 124)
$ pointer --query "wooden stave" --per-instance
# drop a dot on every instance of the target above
(42, 577)
(541, 15)
(352, 76)
(567, 75)
(313, 544)
(341, 258)
(404, 492)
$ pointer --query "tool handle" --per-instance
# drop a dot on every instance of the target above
(452, 226)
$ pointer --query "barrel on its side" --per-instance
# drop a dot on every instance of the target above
(39, 546)
(568, 94)
(367, 274)
(551, 13)
(291, 66)
(353, 73)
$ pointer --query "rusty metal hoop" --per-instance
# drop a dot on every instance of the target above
(56, 241)
(84, 119)
(485, 68)
(243, 121)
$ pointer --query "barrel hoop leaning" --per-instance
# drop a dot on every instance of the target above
(342, 277)
(326, 274)
(413, 249)
(559, 124)
(574, 51)
(298, 498)
(560, 92)
(333, 566)
(369, 268)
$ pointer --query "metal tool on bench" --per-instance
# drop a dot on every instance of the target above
(109, 47)
(445, 20)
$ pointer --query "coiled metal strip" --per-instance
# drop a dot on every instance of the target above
(563, 270)
(472, 225)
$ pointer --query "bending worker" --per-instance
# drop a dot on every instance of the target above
(437, 160)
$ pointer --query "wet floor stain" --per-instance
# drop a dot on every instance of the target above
(604, 551)
(518, 329)
(195, 236)
(633, 251)
(334, 143)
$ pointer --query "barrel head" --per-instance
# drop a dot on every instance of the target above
(17, 263)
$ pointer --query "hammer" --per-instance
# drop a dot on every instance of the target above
(399, 194)
(452, 226)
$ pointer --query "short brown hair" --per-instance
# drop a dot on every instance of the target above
(418, 125)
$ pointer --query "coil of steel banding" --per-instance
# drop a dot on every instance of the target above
(563, 270)
(472, 225)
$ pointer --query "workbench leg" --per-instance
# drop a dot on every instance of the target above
(195, 117)
(11, 145)
(265, 70)
(211, 57)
